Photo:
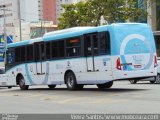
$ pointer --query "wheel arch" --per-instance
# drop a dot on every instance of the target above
(19, 75)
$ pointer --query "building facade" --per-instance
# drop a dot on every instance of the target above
(49, 11)
(20, 13)
(11, 17)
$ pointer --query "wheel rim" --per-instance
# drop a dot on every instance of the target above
(70, 81)
(22, 82)
(132, 81)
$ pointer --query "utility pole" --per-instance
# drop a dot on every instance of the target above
(19, 18)
(4, 30)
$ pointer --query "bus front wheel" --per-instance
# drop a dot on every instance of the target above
(22, 84)
(105, 85)
(71, 82)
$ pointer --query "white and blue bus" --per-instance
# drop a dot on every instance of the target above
(83, 56)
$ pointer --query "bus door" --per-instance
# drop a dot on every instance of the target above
(91, 50)
(39, 53)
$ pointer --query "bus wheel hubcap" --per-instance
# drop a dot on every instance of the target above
(70, 81)
(21, 82)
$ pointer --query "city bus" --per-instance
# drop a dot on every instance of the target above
(81, 56)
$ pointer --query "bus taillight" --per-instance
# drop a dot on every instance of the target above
(155, 61)
(118, 64)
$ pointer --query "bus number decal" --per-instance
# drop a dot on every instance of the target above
(105, 61)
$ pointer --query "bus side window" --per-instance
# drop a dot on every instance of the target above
(73, 47)
(23, 54)
(104, 43)
(10, 57)
(42, 51)
(88, 45)
(54, 49)
(20, 54)
(61, 48)
(95, 44)
(29, 53)
(48, 50)
(91, 44)
(17, 54)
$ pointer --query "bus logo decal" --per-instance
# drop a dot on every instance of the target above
(141, 38)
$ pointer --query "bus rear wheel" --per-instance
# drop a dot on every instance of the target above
(105, 85)
(9, 87)
(51, 86)
(71, 82)
(152, 82)
(22, 84)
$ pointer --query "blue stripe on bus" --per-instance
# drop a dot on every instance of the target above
(28, 75)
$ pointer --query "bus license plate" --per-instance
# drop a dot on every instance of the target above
(137, 66)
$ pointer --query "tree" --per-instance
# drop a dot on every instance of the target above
(89, 13)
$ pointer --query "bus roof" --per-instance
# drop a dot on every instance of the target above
(25, 42)
(70, 32)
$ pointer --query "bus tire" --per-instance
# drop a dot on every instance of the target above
(51, 86)
(71, 82)
(152, 82)
(9, 87)
(157, 79)
(105, 85)
(133, 81)
(80, 87)
(22, 83)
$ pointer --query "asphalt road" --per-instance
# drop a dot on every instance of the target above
(121, 98)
